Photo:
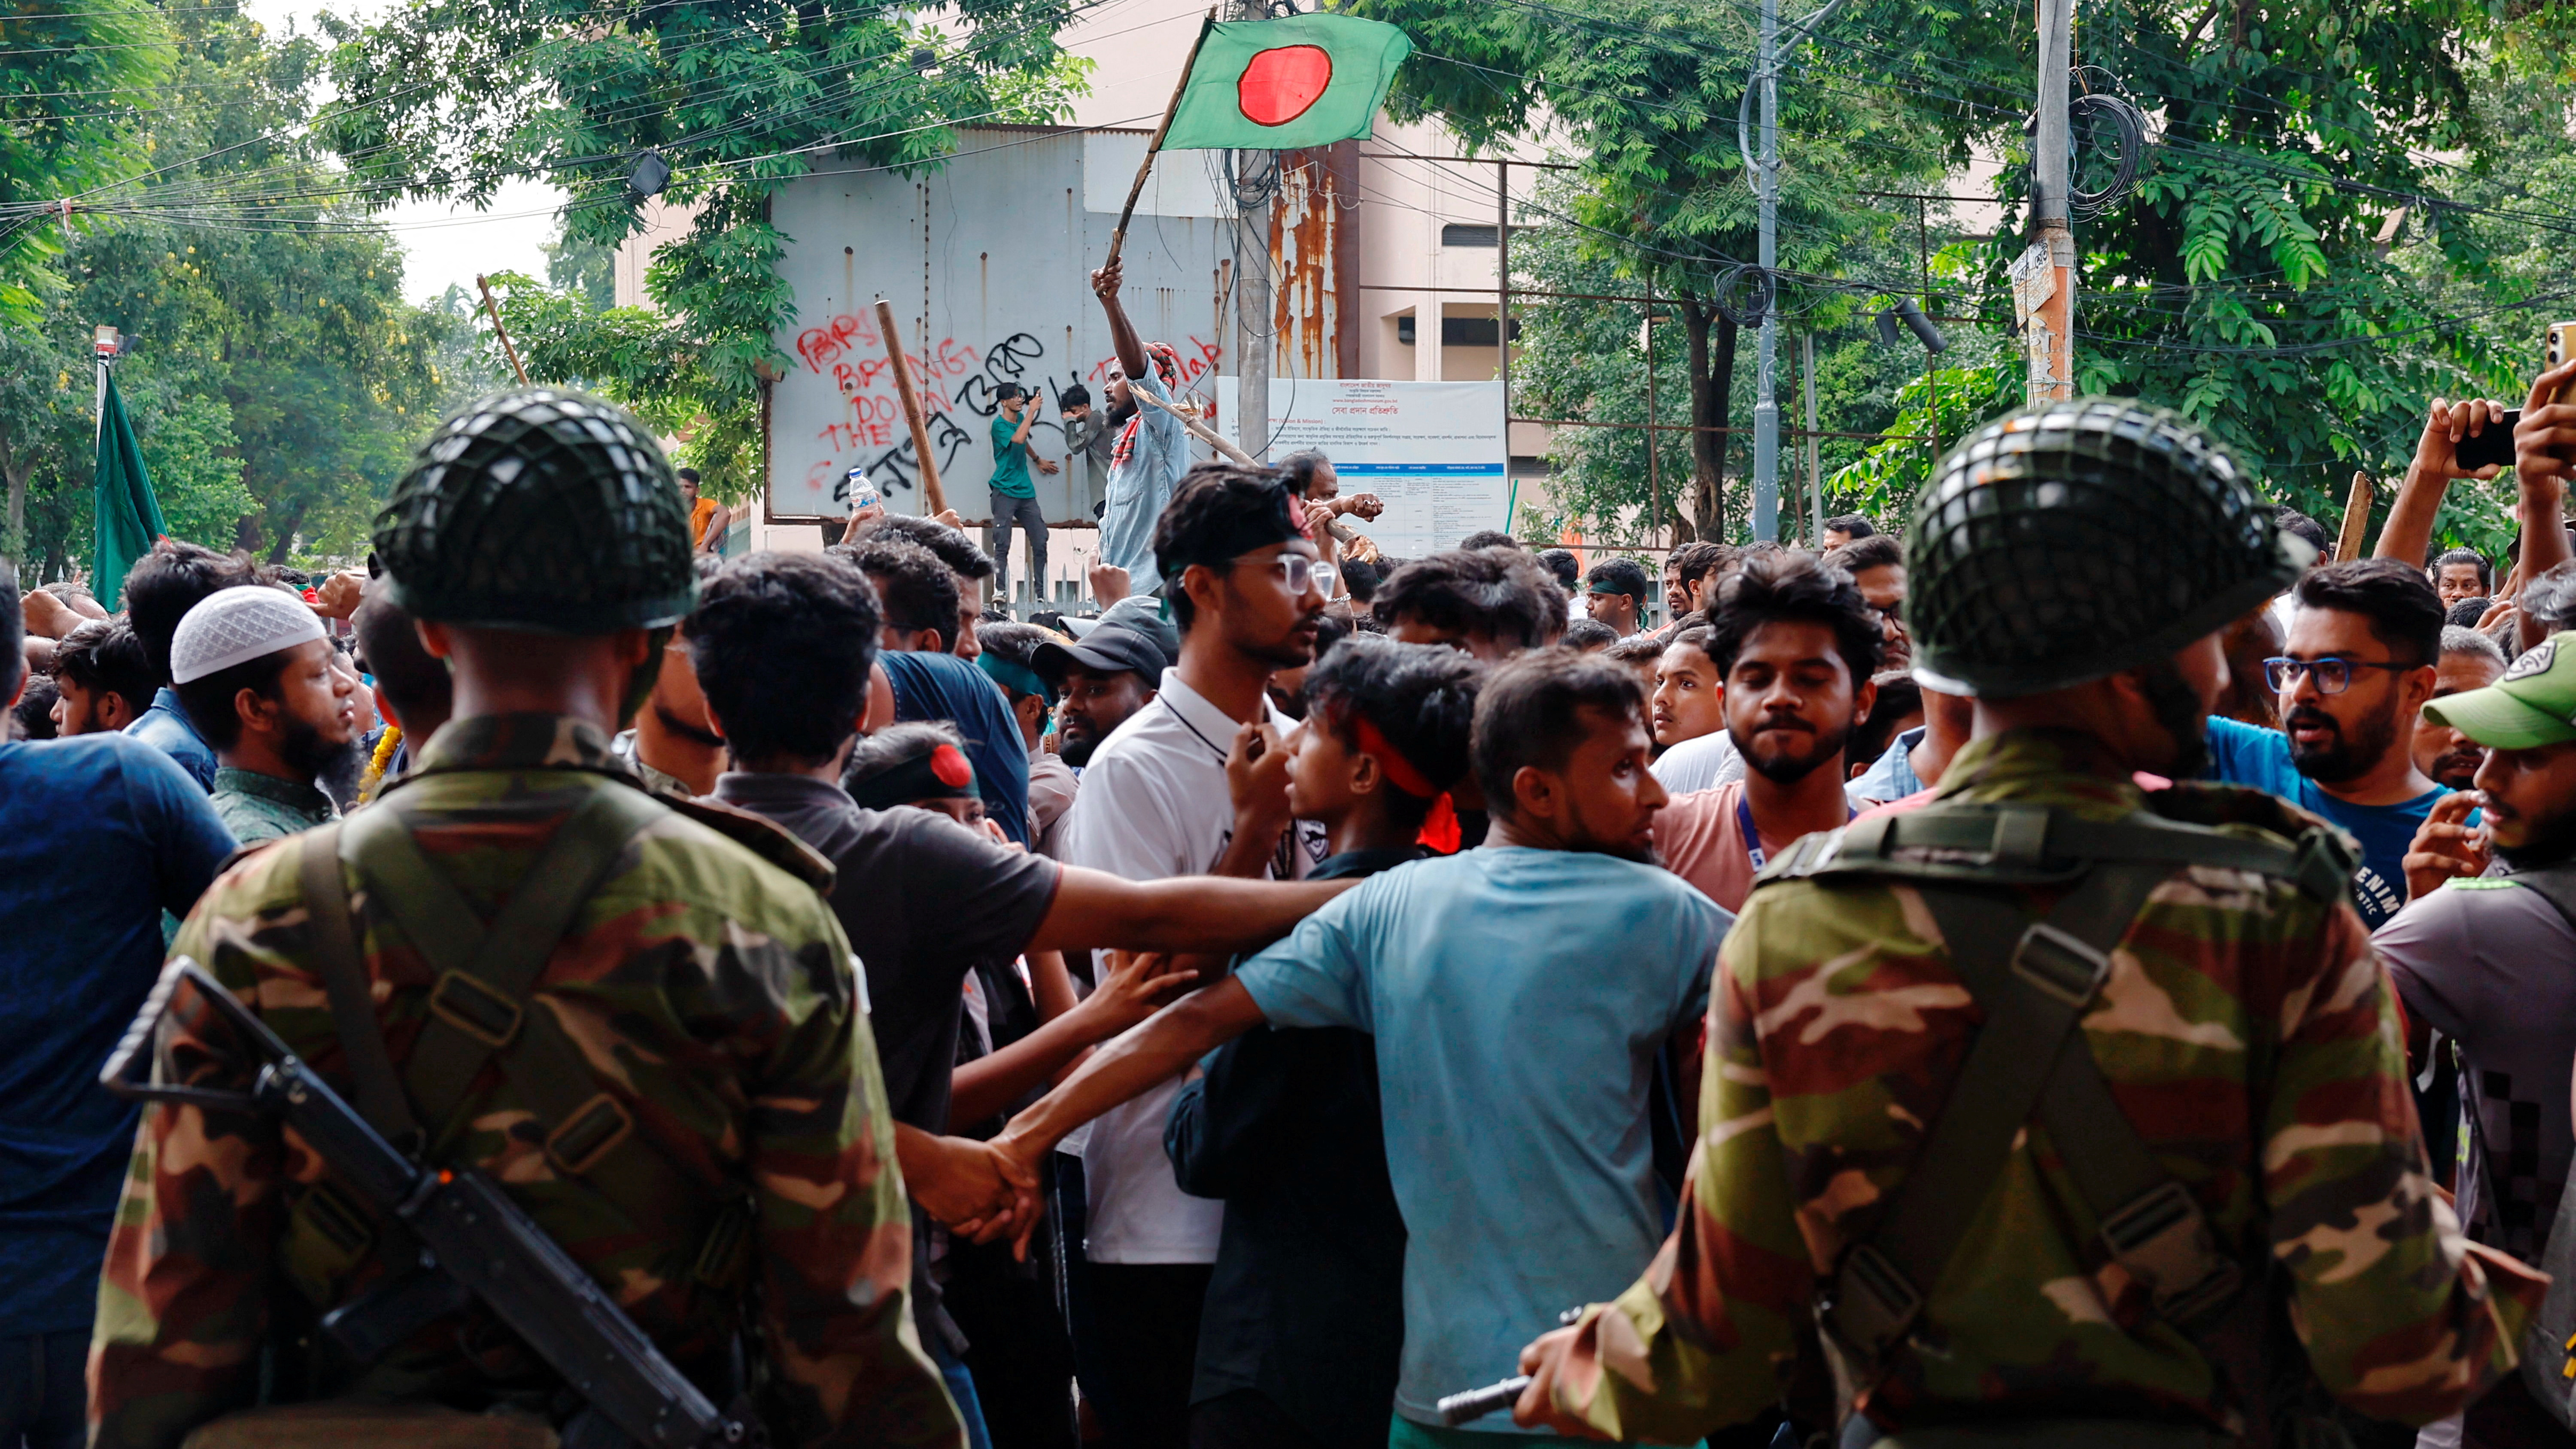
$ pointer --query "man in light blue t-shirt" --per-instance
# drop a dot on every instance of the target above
(1153, 449)
(1518, 994)
(2359, 663)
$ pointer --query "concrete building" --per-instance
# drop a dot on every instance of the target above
(1385, 252)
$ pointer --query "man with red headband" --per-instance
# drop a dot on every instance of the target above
(1305, 1313)
(1153, 449)
(1515, 996)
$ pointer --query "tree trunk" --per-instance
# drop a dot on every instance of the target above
(284, 543)
(13, 533)
(1712, 385)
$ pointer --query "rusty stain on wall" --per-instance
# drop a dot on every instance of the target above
(1311, 243)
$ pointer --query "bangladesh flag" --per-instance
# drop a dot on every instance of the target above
(1279, 85)
(129, 517)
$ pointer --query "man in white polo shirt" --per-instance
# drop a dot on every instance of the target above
(1247, 590)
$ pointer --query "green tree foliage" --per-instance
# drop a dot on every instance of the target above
(73, 72)
(1647, 94)
(1883, 482)
(279, 381)
(2518, 248)
(2255, 279)
(587, 269)
(646, 360)
(445, 97)
(1582, 359)
(2344, 210)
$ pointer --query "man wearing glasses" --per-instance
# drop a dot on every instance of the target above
(1877, 565)
(2358, 665)
(1248, 592)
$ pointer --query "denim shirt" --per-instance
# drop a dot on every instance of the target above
(167, 727)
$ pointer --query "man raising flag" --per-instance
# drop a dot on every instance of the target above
(1280, 85)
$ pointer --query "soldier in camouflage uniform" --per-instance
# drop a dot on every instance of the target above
(1900, 1172)
(673, 1075)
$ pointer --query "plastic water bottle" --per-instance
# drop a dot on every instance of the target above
(863, 494)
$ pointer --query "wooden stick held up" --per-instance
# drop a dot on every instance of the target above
(1196, 429)
(500, 331)
(2356, 518)
(1118, 238)
(933, 499)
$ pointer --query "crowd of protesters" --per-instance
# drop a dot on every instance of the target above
(1357, 1180)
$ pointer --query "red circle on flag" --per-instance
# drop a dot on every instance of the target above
(1279, 84)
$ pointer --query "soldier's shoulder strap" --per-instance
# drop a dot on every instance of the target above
(2037, 845)
(334, 944)
(485, 971)
(2034, 980)
(480, 1008)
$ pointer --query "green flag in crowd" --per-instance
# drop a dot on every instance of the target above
(1278, 85)
(129, 517)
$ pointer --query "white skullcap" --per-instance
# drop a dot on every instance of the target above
(236, 625)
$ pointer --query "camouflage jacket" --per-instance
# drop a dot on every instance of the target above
(2246, 1029)
(712, 992)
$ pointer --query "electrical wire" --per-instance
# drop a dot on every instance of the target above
(1721, 270)
(851, 89)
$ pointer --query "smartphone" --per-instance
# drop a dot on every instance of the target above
(2562, 346)
(2494, 445)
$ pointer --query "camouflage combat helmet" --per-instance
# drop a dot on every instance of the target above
(2074, 540)
(538, 508)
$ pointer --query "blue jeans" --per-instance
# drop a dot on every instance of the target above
(961, 1387)
(44, 1394)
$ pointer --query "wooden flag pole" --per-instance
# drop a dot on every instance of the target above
(2356, 518)
(934, 501)
(500, 331)
(1197, 430)
(1118, 238)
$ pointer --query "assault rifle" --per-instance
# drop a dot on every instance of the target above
(476, 1244)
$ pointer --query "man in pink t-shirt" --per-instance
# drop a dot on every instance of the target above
(1796, 645)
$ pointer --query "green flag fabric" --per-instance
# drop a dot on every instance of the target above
(1278, 85)
(129, 517)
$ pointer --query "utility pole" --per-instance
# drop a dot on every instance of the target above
(2051, 262)
(1815, 473)
(1766, 405)
(1256, 173)
(1766, 190)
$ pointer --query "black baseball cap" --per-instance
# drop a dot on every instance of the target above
(1110, 650)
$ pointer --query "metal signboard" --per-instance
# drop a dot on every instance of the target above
(987, 261)
(1433, 451)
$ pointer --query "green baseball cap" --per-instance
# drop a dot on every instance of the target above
(2534, 704)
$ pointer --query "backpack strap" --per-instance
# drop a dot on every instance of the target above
(2555, 884)
(1985, 845)
(334, 941)
(329, 1231)
(2034, 980)
(480, 1008)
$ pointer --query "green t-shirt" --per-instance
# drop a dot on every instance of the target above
(1010, 460)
